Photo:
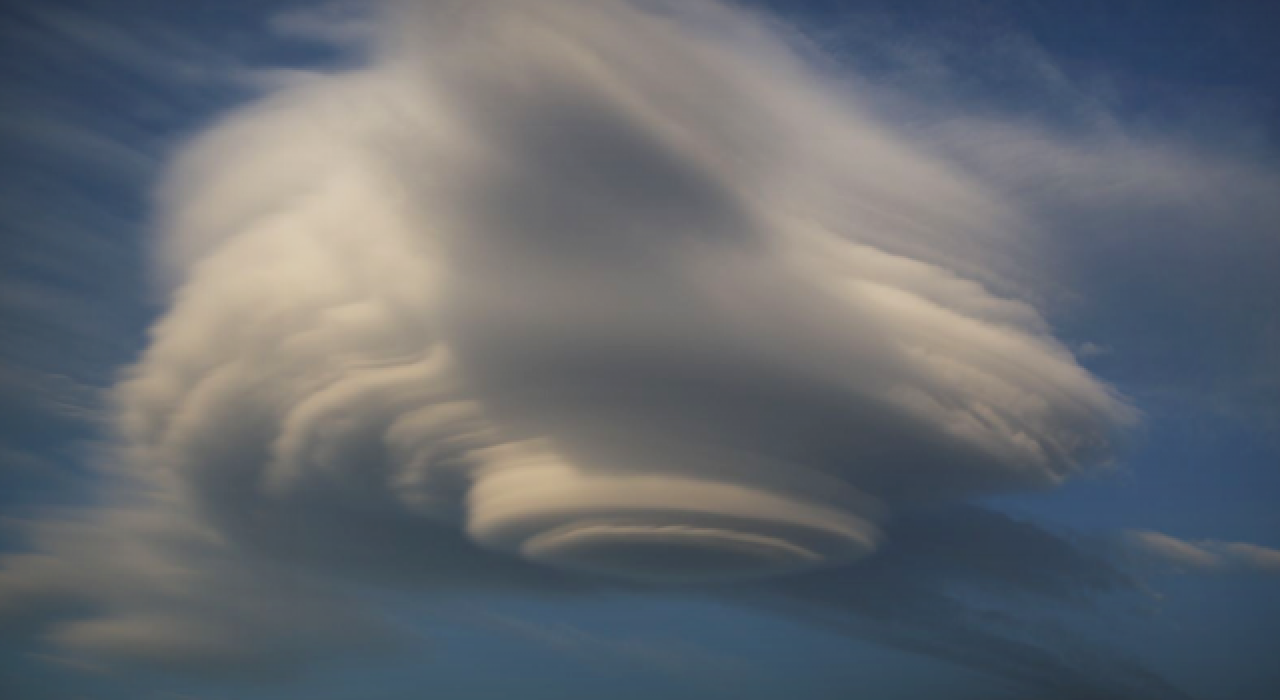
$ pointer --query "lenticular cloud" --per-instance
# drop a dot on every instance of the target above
(555, 296)
(612, 288)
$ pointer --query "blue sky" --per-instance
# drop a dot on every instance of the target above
(639, 349)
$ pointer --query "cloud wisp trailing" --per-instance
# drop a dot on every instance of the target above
(1202, 556)
(562, 296)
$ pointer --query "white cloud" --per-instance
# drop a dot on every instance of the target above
(728, 310)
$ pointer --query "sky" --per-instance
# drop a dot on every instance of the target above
(639, 348)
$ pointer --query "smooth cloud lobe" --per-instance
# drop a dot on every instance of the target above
(560, 294)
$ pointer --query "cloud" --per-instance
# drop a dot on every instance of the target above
(576, 295)
(519, 283)
(343, 23)
(144, 585)
(131, 41)
(1165, 552)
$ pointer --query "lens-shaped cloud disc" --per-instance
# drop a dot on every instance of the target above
(663, 530)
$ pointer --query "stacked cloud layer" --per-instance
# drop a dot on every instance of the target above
(613, 287)
(558, 296)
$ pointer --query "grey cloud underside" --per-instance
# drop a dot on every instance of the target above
(569, 297)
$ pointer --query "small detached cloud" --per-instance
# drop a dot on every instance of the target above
(1200, 556)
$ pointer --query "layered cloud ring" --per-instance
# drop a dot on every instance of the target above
(615, 288)
(657, 529)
